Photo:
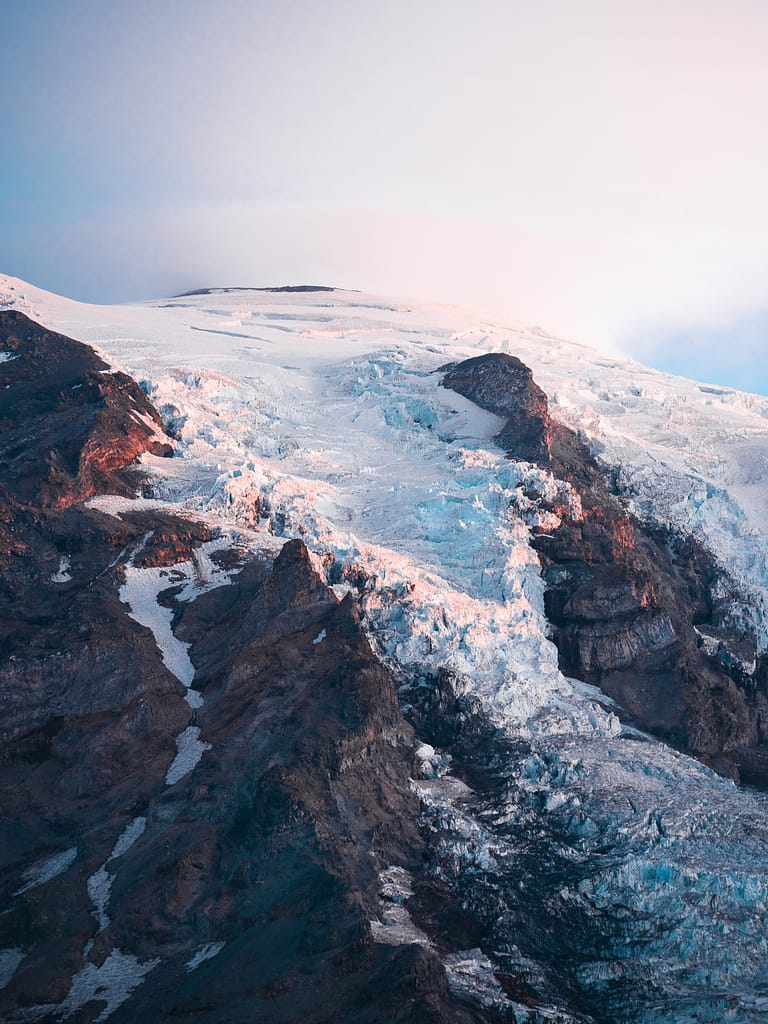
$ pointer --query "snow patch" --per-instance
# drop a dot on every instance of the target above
(203, 953)
(99, 889)
(146, 420)
(471, 974)
(395, 927)
(133, 831)
(194, 576)
(432, 764)
(189, 751)
(112, 984)
(115, 505)
(43, 871)
(140, 592)
(100, 882)
(62, 575)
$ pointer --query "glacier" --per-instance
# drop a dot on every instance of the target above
(321, 416)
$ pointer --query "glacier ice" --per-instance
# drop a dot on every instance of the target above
(329, 424)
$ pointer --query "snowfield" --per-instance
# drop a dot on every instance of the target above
(320, 416)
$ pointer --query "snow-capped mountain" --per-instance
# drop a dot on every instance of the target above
(354, 494)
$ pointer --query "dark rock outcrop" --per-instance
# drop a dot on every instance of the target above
(505, 386)
(69, 427)
(624, 600)
(287, 288)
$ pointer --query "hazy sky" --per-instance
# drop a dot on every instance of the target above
(599, 167)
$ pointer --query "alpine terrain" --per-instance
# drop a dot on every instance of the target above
(364, 661)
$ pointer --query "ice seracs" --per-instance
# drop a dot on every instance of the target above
(272, 422)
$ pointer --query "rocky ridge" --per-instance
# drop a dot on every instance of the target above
(630, 606)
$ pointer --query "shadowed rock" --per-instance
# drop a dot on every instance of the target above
(69, 427)
(505, 386)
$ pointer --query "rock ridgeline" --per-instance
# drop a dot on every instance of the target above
(69, 427)
(630, 606)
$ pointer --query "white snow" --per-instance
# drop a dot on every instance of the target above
(195, 576)
(44, 870)
(99, 888)
(100, 882)
(62, 575)
(471, 973)
(6, 357)
(203, 953)
(156, 434)
(140, 592)
(133, 831)
(116, 504)
(189, 751)
(395, 926)
(112, 984)
(320, 637)
(433, 765)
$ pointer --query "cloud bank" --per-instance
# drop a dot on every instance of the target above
(598, 168)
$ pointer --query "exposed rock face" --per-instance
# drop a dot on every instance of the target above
(624, 600)
(273, 846)
(238, 884)
(70, 427)
(505, 386)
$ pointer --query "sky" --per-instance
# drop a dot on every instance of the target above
(595, 167)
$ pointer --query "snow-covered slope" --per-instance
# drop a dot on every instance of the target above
(327, 405)
(320, 415)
